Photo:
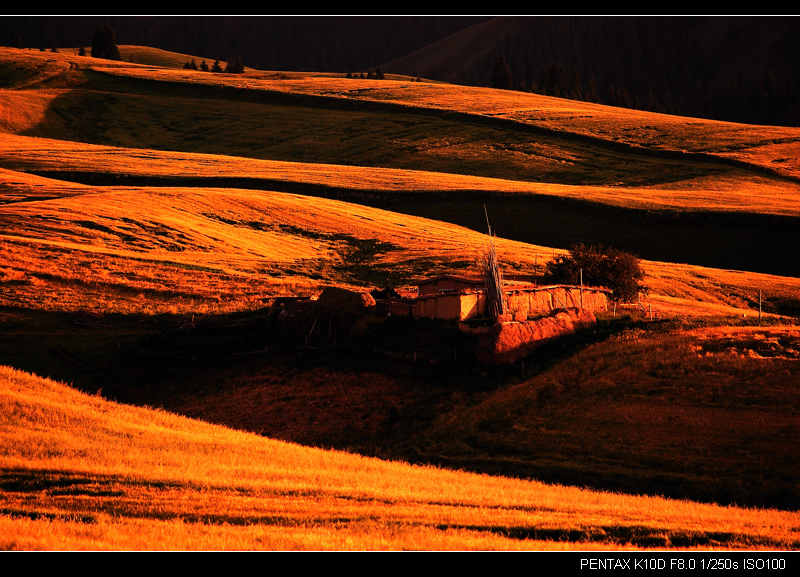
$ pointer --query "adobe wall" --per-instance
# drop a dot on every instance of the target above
(531, 303)
(443, 307)
(521, 304)
(511, 341)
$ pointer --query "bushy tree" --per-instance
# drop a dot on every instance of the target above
(81, 51)
(204, 66)
(216, 67)
(104, 43)
(604, 266)
(235, 65)
(379, 73)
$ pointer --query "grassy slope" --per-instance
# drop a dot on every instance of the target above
(709, 411)
(768, 147)
(142, 116)
(126, 249)
(143, 249)
(724, 194)
(704, 413)
(115, 109)
(185, 249)
(81, 472)
(771, 147)
(151, 56)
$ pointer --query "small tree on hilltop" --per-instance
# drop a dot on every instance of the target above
(604, 266)
(235, 65)
(104, 43)
(204, 66)
(216, 67)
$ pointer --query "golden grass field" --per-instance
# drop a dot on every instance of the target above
(129, 249)
(136, 193)
(770, 147)
(79, 472)
(18, 152)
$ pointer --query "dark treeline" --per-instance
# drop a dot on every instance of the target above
(741, 69)
(280, 43)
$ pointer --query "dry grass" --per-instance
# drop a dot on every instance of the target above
(151, 56)
(709, 412)
(754, 196)
(227, 249)
(186, 249)
(166, 249)
(770, 147)
(81, 472)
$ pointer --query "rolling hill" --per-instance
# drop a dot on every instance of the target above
(650, 168)
(730, 68)
(149, 215)
(207, 249)
(79, 472)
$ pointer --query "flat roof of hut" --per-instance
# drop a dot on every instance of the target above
(449, 284)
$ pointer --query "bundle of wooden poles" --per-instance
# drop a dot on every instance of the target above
(492, 277)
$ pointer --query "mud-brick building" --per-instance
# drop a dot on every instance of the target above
(461, 299)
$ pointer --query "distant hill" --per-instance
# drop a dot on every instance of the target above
(735, 68)
(276, 43)
(739, 69)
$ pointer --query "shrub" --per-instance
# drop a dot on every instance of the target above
(604, 266)
(104, 44)
(235, 65)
